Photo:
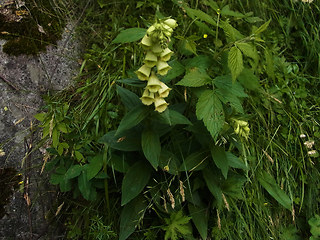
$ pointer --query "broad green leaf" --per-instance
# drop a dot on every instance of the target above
(269, 183)
(262, 28)
(134, 181)
(233, 100)
(195, 78)
(225, 11)
(231, 33)
(130, 35)
(177, 118)
(150, 142)
(65, 185)
(201, 15)
(187, 47)
(131, 214)
(213, 185)
(209, 109)
(200, 219)
(248, 79)
(249, 50)
(118, 163)
(133, 118)
(55, 137)
(225, 83)
(195, 161)
(232, 186)
(169, 162)
(212, 4)
(204, 28)
(235, 62)
(62, 127)
(135, 82)
(127, 141)
(220, 159)
(235, 162)
(84, 185)
(315, 226)
(73, 171)
(201, 62)
(40, 116)
(176, 226)
(78, 156)
(128, 98)
(94, 166)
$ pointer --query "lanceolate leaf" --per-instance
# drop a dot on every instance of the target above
(130, 216)
(201, 15)
(269, 183)
(130, 35)
(235, 62)
(249, 80)
(200, 219)
(213, 185)
(248, 50)
(195, 78)
(262, 28)
(209, 109)
(134, 181)
(128, 98)
(220, 159)
(133, 118)
(151, 146)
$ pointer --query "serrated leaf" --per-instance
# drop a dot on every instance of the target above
(263, 27)
(73, 171)
(231, 33)
(249, 50)
(210, 110)
(200, 219)
(150, 142)
(225, 83)
(235, 62)
(195, 78)
(129, 99)
(133, 118)
(55, 137)
(177, 226)
(134, 181)
(94, 166)
(269, 63)
(201, 15)
(130, 35)
(201, 62)
(212, 4)
(177, 69)
(225, 11)
(220, 159)
(130, 216)
(269, 183)
(248, 79)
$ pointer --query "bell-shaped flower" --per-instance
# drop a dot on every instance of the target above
(150, 59)
(157, 49)
(162, 68)
(154, 84)
(164, 90)
(171, 23)
(160, 104)
(143, 73)
(167, 31)
(151, 30)
(166, 55)
(147, 97)
(146, 42)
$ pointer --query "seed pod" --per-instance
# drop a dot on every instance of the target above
(143, 73)
(162, 68)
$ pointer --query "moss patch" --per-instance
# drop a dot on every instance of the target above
(9, 181)
(38, 27)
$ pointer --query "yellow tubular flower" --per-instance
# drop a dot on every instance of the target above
(171, 23)
(166, 55)
(146, 42)
(154, 84)
(151, 59)
(157, 49)
(162, 68)
(160, 104)
(143, 73)
(164, 90)
(147, 97)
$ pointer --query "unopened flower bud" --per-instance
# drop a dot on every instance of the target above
(162, 68)
(143, 73)
(171, 23)
(151, 30)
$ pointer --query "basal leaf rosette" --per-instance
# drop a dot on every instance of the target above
(155, 42)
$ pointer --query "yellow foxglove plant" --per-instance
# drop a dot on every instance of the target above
(155, 42)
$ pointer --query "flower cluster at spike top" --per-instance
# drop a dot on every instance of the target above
(155, 42)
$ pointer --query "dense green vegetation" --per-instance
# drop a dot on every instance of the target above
(235, 153)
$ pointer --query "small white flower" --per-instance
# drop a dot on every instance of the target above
(309, 144)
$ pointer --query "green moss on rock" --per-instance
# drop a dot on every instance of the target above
(39, 26)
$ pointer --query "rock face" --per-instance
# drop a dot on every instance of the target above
(23, 79)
